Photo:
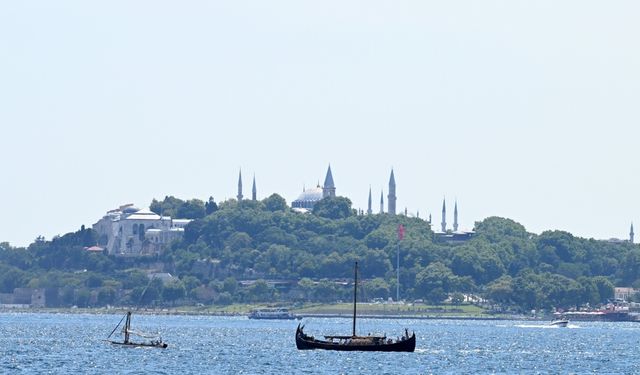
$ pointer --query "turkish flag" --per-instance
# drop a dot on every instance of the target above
(400, 232)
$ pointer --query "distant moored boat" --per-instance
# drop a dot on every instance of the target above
(275, 313)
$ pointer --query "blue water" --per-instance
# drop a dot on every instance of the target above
(73, 343)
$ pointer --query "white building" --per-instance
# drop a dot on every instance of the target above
(128, 230)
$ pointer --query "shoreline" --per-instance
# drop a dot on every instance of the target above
(298, 316)
(178, 311)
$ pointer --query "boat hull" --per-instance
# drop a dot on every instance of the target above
(304, 342)
(161, 345)
(559, 323)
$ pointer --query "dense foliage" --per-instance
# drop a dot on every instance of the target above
(263, 251)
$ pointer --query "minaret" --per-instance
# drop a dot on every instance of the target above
(631, 234)
(329, 188)
(391, 198)
(455, 216)
(253, 189)
(444, 215)
(369, 211)
(239, 186)
(381, 201)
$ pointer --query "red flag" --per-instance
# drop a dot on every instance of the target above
(400, 232)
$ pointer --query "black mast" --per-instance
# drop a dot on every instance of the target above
(127, 325)
(355, 293)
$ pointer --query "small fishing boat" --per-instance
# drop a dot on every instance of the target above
(154, 342)
(559, 323)
(354, 342)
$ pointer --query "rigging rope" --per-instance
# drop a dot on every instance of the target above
(118, 325)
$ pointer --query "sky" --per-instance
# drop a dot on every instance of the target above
(521, 109)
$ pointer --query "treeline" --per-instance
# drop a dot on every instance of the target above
(252, 251)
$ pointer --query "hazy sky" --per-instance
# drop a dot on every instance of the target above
(521, 109)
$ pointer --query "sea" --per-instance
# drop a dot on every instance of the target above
(70, 343)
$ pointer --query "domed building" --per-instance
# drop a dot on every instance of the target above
(309, 197)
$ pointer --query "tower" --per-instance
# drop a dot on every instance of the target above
(253, 189)
(631, 234)
(455, 216)
(329, 188)
(239, 186)
(444, 216)
(369, 211)
(391, 198)
(381, 201)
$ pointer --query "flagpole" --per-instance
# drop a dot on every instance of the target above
(398, 273)
(400, 237)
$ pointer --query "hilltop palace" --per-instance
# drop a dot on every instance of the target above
(308, 198)
(130, 231)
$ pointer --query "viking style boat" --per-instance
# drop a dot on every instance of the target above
(154, 342)
(354, 342)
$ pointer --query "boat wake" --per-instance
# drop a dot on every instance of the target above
(544, 326)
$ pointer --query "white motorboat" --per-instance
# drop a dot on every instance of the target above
(559, 323)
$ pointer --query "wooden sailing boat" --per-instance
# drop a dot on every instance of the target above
(354, 342)
(127, 331)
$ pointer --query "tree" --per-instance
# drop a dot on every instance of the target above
(190, 283)
(433, 282)
(149, 294)
(260, 291)
(135, 278)
(377, 239)
(210, 207)
(191, 209)
(82, 297)
(333, 208)
(605, 288)
(106, 296)
(173, 290)
(275, 203)
(11, 278)
(501, 290)
(224, 298)
(168, 207)
(230, 285)
(377, 288)
(94, 281)
(457, 298)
